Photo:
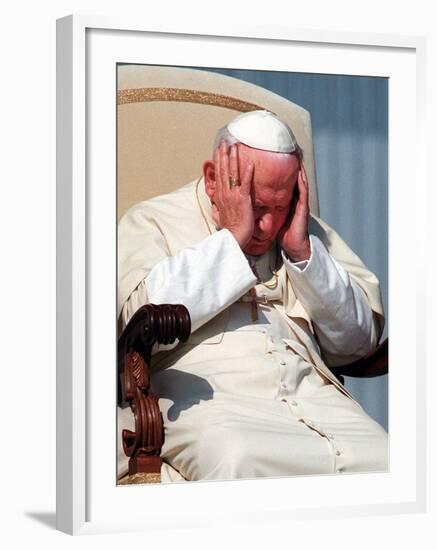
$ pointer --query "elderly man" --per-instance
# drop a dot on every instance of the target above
(275, 297)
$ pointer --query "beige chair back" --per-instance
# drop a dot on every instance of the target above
(167, 121)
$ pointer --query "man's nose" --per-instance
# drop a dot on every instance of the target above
(265, 224)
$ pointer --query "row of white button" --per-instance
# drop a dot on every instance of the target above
(312, 424)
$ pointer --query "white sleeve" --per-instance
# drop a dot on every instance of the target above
(338, 307)
(206, 278)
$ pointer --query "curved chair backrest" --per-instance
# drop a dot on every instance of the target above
(167, 121)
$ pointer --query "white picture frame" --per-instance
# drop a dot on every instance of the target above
(87, 497)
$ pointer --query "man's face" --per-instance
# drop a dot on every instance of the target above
(274, 180)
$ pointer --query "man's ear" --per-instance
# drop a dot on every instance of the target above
(209, 177)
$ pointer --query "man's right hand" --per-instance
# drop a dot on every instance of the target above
(232, 204)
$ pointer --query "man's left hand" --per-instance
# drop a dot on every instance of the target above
(294, 237)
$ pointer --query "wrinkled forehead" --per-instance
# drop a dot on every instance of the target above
(269, 167)
(262, 158)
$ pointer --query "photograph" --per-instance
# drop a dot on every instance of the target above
(219, 225)
(252, 274)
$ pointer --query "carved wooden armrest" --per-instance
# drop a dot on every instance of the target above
(150, 324)
(373, 364)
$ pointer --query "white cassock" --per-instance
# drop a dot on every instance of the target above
(244, 398)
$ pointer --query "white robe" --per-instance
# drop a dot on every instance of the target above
(245, 399)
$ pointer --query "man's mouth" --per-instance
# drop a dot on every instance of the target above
(260, 241)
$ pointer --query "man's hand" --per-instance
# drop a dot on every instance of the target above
(231, 204)
(293, 237)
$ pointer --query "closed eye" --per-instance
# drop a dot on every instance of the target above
(264, 208)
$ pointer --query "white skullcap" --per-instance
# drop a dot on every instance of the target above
(263, 130)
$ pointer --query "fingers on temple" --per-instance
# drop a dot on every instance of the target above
(303, 200)
(224, 164)
(217, 162)
(233, 162)
(302, 182)
(303, 175)
(246, 182)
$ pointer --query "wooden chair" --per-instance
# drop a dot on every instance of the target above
(150, 324)
(167, 120)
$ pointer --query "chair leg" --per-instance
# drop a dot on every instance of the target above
(143, 445)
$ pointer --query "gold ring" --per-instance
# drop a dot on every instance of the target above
(234, 182)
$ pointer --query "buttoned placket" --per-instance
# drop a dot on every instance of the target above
(285, 360)
(287, 395)
(282, 359)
